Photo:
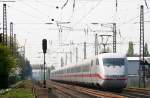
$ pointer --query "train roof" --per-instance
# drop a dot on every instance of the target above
(112, 55)
(136, 58)
(105, 55)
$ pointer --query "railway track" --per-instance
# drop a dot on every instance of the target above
(82, 92)
(136, 93)
(139, 90)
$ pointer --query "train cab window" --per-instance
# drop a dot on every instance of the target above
(97, 62)
(113, 61)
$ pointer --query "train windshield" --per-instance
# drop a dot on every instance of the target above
(113, 61)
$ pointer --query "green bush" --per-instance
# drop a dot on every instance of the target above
(7, 63)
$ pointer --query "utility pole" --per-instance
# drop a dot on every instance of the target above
(1, 37)
(60, 34)
(15, 44)
(141, 56)
(62, 62)
(70, 57)
(84, 50)
(4, 25)
(11, 37)
(76, 54)
(114, 38)
(112, 26)
(96, 44)
(66, 59)
(60, 29)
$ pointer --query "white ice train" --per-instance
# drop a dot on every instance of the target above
(107, 70)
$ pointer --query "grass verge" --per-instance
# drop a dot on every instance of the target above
(20, 90)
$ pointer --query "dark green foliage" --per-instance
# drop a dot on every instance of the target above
(130, 49)
(7, 63)
(52, 68)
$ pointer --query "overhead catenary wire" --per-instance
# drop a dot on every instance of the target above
(34, 8)
(65, 4)
(116, 5)
(74, 3)
(78, 0)
(146, 3)
(44, 4)
(93, 8)
(132, 19)
(84, 16)
(26, 13)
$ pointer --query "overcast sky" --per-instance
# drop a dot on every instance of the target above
(30, 18)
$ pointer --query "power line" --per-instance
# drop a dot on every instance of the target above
(28, 5)
(132, 19)
(93, 8)
(24, 12)
(146, 3)
(84, 16)
(44, 4)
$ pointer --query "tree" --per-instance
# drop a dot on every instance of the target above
(50, 69)
(7, 63)
(130, 49)
(146, 52)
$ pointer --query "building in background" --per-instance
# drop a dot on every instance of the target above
(133, 67)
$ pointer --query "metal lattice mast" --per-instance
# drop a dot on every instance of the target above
(4, 25)
(1, 37)
(104, 44)
(62, 62)
(70, 57)
(141, 55)
(114, 38)
(96, 44)
(84, 50)
(11, 37)
(15, 44)
(66, 59)
(76, 54)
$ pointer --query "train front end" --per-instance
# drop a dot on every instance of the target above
(114, 71)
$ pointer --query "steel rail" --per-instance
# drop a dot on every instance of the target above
(64, 91)
(139, 90)
(135, 93)
(87, 91)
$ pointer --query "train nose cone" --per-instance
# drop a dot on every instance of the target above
(112, 84)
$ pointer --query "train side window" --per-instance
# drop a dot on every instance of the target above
(67, 70)
(79, 69)
(72, 70)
